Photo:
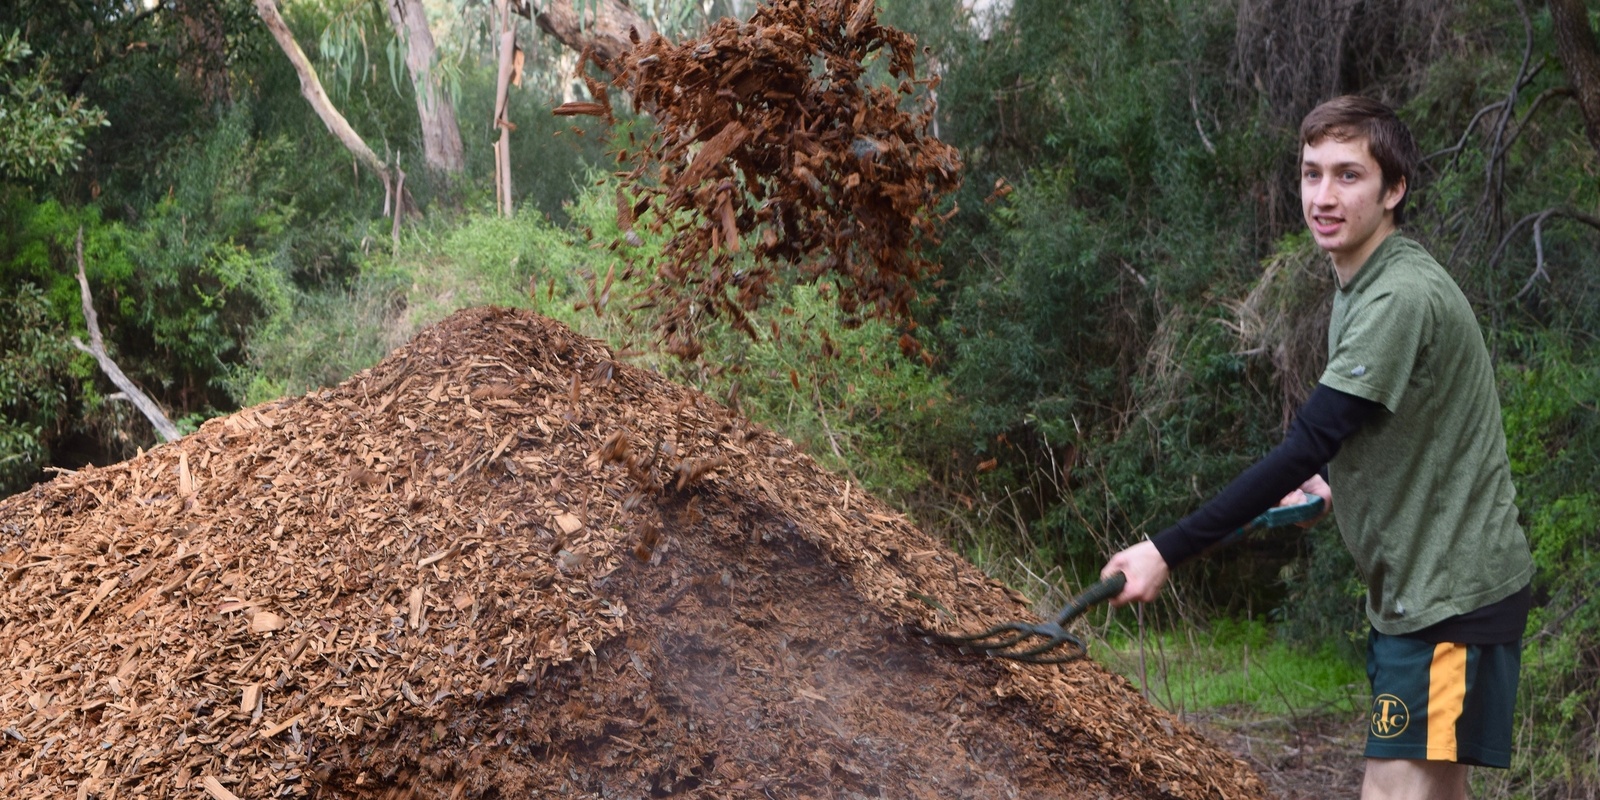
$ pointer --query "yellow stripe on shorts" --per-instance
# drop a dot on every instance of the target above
(1447, 692)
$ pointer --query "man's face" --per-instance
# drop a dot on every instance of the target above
(1342, 197)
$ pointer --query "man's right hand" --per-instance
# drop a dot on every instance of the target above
(1145, 570)
(1315, 485)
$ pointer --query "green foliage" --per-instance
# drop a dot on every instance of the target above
(200, 268)
(844, 394)
(488, 260)
(330, 334)
(38, 247)
(34, 407)
(350, 35)
(178, 290)
(41, 128)
(1079, 317)
(1552, 423)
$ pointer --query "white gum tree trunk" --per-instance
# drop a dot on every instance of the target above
(441, 134)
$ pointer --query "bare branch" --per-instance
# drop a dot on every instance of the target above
(1462, 142)
(1538, 219)
(1488, 211)
(311, 89)
(1195, 105)
(97, 348)
(1554, 91)
(1494, 169)
(608, 28)
(506, 65)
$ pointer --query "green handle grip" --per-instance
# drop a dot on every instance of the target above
(1286, 515)
(1278, 517)
(1102, 591)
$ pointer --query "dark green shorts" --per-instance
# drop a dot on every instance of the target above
(1441, 702)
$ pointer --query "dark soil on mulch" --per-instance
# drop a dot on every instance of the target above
(502, 564)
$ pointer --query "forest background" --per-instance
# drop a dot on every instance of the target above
(1127, 312)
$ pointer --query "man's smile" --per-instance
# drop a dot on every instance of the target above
(1326, 225)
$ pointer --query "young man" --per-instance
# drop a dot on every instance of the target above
(1406, 423)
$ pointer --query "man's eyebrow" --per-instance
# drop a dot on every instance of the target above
(1340, 165)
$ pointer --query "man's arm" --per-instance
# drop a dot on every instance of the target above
(1328, 418)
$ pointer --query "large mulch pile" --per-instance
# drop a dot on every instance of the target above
(502, 565)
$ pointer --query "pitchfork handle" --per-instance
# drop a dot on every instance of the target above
(1279, 517)
(1107, 588)
(1287, 515)
(1111, 586)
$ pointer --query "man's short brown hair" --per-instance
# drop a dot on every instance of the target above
(1388, 139)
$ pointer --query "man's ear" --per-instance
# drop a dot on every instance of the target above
(1395, 194)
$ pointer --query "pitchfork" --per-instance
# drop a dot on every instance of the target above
(1050, 643)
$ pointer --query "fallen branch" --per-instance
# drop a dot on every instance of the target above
(97, 348)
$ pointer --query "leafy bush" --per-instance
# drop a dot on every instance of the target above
(34, 404)
(1553, 439)
(843, 392)
(179, 288)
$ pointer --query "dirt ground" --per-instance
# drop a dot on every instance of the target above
(502, 564)
(1314, 757)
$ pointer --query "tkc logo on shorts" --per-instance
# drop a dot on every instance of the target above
(1390, 717)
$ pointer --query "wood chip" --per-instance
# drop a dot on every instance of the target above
(273, 730)
(216, 790)
(266, 622)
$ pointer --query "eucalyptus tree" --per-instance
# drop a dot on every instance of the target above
(41, 127)
(311, 88)
(468, 33)
(441, 134)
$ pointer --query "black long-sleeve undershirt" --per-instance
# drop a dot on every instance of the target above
(1326, 420)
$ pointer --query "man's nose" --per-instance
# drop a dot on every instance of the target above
(1323, 193)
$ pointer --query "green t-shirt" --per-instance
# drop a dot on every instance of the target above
(1422, 492)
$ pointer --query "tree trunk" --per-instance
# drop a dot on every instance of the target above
(205, 53)
(311, 89)
(441, 135)
(607, 30)
(1580, 57)
(502, 91)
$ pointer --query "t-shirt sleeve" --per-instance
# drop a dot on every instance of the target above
(1377, 351)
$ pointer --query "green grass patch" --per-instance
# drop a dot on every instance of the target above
(1234, 664)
